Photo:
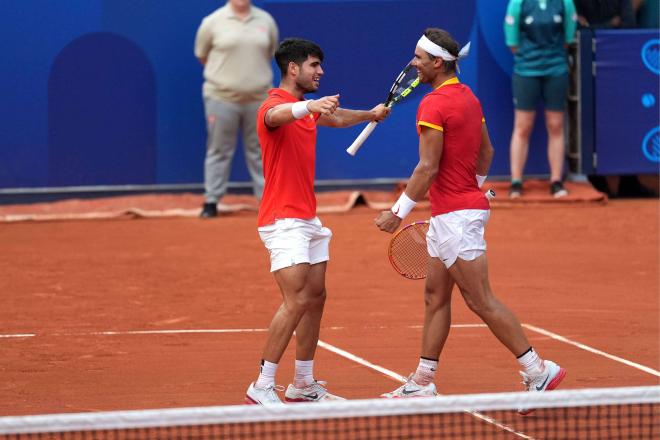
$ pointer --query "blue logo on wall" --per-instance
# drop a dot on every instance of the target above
(651, 145)
(651, 55)
(648, 100)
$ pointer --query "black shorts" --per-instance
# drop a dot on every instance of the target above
(528, 91)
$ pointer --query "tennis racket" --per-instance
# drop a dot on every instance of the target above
(407, 249)
(402, 86)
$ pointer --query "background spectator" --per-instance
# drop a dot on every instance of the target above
(537, 32)
(235, 44)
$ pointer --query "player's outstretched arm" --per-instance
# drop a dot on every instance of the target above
(343, 117)
(286, 113)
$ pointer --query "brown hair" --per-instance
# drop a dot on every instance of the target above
(296, 50)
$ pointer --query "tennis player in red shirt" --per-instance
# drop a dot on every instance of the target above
(455, 154)
(295, 238)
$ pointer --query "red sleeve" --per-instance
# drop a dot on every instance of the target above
(430, 113)
(270, 102)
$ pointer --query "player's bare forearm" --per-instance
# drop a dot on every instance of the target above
(343, 117)
(421, 180)
(282, 114)
(279, 115)
(431, 142)
(486, 152)
(418, 185)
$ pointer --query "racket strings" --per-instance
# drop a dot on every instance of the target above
(405, 85)
(408, 252)
(407, 80)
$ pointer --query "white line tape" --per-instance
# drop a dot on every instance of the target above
(591, 349)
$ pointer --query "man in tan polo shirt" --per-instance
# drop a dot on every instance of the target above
(235, 44)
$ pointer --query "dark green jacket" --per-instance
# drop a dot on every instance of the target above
(540, 29)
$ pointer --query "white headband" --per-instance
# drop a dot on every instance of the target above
(439, 51)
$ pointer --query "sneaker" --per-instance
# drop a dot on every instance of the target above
(263, 396)
(314, 392)
(557, 189)
(412, 389)
(550, 379)
(209, 210)
(516, 190)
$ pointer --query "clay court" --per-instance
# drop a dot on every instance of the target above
(165, 312)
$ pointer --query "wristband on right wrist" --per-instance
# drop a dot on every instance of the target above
(403, 206)
(300, 110)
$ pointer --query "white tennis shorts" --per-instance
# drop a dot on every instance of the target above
(458, 234)
(292, 241)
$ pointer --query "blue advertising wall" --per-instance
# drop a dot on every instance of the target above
(108, 92)
(627, 121)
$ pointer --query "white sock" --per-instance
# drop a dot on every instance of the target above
(531, 362)
(266, 374)
(304, 374)
(425, 373)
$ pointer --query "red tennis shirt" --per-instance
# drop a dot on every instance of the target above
(453, 109)
(289, 159)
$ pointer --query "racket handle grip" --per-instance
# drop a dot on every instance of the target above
(490, 194)
(357, 143)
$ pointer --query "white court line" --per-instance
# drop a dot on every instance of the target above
(361, 361)
(402, 379)
(170, 332)
(136, 332)
(200, 331)
(592, 350)
(261, 330)
(452, 326)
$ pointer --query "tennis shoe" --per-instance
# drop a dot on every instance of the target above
(516, 190)
(548, 380)
(209, 210)
(263, 396)
(557, 190)
(412, 389)
(315, 392)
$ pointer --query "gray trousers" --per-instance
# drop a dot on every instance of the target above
(223, 121)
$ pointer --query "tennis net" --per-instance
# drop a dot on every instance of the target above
(608, 413)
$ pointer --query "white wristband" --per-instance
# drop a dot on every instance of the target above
(403, 206)
(481, 180)
(299, 109)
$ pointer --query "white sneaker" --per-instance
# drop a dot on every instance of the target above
(550, 379)
(263, 396)
(412, 389)
(314, 392)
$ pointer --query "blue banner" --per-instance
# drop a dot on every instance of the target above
(627, 131)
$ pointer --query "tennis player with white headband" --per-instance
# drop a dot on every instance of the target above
(454, 147)
(440, 52)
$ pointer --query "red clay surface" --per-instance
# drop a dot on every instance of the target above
(588, 272)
